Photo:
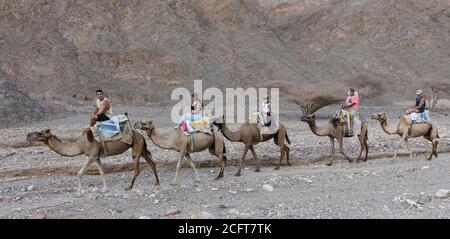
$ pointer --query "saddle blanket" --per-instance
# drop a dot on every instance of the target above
(202, 124)
(116, 128)
(258, 118)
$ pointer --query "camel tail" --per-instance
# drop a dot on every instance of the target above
(146, 149)
(434, 131)
(287, 138)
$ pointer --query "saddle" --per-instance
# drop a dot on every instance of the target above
(204, 125)
(117, 128)
(270, 127)
(343, 117)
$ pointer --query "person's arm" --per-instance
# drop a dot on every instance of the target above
(95, 111)
(422, 103)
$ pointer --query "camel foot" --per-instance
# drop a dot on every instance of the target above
(173, 183)
(218, 178)
(289, 164)
(197, 180)
(156, 184)
(429, 159)
(237, 174)
(329, 164)
(128, 188)
(257, 170)
(277, 168)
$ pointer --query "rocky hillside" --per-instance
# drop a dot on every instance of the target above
(15, 106)
(138, 51)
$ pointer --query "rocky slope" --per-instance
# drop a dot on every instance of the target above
(139, 51)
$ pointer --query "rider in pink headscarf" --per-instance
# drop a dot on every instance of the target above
(351, 106)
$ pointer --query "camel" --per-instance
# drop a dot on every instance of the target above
(428, 130)
(249, 134)
(335, 130)
(185, 145)
(88, 146)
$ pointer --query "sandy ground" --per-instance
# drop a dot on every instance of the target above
(36, 182)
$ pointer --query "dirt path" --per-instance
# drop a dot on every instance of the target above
(36, 182)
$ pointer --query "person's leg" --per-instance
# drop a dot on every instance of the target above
(102, 117)
(357, 124)
(352, 120)
(93, 120)
(413, 117)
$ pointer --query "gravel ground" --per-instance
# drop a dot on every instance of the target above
(31, 187)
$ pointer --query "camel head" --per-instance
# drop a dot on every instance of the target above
(219, 121)
(144, 125)
(381, 116)
(42, 135)
(308, 118)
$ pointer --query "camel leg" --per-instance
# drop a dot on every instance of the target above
(196, 176)
(222, 159)
(398, 145)
(223, 163)
(406, 142)
(175, 180)
(341, 149)
(435, 148)
(148, 157)
(361, 143)
(432, 147)
(287, 154)
(255, 158)
(366, 144)
(332, 151)
(238, 172)
(82, 171)
(102, 174)
(282, 154)
(137, 171)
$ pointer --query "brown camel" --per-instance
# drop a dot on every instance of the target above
(88, 146)
(185, 145)
(249, 134)
(428, 130)
(335, 130)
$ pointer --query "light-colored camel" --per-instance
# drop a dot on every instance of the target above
(428, 130)
(182, 143)
(249, 134)
(334, 129)
(94, 150)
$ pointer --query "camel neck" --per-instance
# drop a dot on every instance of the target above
(390, 129)
(164, 142)
(69, 149)
(230, 135)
